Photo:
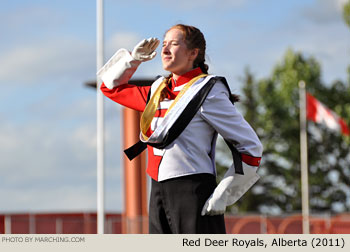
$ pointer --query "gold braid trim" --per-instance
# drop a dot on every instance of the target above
(152, 105)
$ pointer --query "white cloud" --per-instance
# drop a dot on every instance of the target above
(331, 49)
(324, 11)
(38, 48)
(262, 49)
(47, 61)
(327, 39)
(340, 4)
(125, 40)
(20, 21)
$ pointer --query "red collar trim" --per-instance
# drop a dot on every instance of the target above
(186, 77)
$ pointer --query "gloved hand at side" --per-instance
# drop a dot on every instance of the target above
(217, 202)
(230, 189)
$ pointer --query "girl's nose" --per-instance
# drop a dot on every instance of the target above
(165, 49)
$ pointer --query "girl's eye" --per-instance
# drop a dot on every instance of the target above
(171, 43)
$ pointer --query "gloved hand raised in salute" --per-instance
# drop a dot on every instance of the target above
(145, 49)
(122, 65)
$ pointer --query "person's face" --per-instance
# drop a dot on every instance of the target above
(176, 57)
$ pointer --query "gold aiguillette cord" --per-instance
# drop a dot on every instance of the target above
(152, 105)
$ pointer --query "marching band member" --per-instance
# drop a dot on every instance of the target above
(182, 117)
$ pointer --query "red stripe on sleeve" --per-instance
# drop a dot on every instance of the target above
(250, 160)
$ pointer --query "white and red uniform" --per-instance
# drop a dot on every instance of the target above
(193, 151)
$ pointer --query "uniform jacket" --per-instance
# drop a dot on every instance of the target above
(193, 151)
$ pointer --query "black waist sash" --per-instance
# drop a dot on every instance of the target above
(182, 122)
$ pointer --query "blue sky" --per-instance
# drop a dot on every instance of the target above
(48, 51)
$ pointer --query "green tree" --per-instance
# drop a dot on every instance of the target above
(278, 99)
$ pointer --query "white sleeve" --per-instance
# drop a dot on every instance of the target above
(118, 69)
(222, 115)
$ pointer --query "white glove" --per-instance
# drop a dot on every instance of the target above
(217, 202)
(145, 50)
(230, 189)
(122, 65)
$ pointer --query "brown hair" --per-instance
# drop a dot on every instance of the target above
(194, 38)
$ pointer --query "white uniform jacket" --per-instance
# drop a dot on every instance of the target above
(193, 152)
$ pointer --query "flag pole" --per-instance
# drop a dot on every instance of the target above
(303, 159)
(100, 120)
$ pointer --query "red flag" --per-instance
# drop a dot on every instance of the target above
(319, 113)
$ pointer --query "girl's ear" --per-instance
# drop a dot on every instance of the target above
(194, 53)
